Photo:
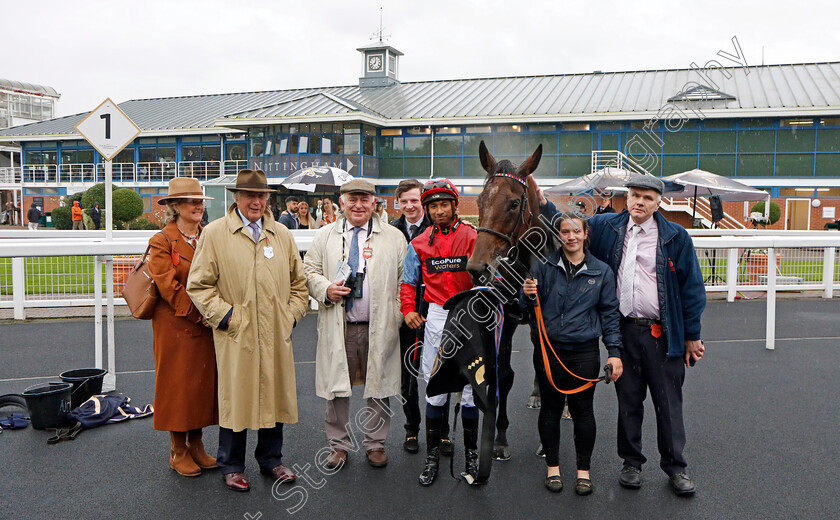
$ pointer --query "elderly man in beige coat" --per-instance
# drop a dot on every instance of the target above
(247, 281)
(358, 322)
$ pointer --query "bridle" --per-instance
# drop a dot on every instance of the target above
(523, 225)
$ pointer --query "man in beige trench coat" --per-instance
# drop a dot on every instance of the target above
(358, 327)
(247, 281)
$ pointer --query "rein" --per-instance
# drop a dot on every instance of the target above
(543, 333)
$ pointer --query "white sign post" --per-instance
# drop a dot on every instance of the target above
(108, 130)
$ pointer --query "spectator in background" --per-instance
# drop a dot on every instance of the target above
(328, 212)
(605, 205)
(305, 219)
(289, 218)
(33, 215)
(380, 211)
(76, 215)
(8, 213)
(96, 216)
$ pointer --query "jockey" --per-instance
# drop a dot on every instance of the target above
(441, 253)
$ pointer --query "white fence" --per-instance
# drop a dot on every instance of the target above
(51, 268)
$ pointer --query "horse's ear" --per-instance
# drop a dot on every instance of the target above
(487, 160)
(530, 164)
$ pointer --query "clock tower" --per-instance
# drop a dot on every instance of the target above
(380, 65)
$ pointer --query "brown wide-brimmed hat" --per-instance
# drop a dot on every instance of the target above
(251, 180)
(183, 188)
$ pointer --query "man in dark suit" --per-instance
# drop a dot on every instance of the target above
(662, 296)
(412, 222)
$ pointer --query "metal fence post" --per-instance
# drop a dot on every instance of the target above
(97, 310)
(109, 384)
(771, 298)
(731, 273)
(828, 272)
(18, 287)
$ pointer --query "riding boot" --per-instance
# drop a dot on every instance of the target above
(179, 456)
(471, 445)
(199, 454)
(432, 450)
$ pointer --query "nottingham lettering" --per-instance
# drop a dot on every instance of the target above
(449, 263)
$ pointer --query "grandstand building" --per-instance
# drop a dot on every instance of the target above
(774, 127)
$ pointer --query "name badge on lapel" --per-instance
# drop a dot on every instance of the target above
(367, 253)
(268, 251)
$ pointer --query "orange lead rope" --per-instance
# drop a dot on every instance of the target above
(543, 341)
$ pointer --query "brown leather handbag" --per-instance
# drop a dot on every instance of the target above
(140, 292)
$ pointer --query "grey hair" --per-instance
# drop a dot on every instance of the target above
(171, 215)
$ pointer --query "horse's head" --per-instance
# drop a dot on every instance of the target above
(507, 206)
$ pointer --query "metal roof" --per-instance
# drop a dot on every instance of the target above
(759, 91)
(29, 88)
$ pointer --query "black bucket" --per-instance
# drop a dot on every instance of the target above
(48, 404)
(86, 383)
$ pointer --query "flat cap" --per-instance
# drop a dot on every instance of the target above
(646, 182)
(358, 186)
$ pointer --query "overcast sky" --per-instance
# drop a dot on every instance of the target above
(90, 50)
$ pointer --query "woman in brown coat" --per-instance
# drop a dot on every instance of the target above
(185, 360)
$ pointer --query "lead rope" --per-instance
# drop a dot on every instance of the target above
(543, 334)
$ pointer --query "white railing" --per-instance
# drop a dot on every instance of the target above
(201, 170)
(76, 173)
(141, 172)
(615, 159)
(40, 173)
(157, 172)
(703, 211)
(80, 263)
(732, 261)
(11, 174)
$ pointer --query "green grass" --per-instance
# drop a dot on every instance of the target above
(54, 274)
(808, 270)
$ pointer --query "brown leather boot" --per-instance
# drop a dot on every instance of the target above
(199, 454)
(180, 459)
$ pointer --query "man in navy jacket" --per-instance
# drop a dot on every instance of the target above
(662, 297)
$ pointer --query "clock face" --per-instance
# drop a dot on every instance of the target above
(375, 62)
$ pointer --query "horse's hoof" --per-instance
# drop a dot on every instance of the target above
(501, 452)
(534, 402)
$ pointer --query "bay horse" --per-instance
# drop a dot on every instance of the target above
(477, 338)
(509, 226)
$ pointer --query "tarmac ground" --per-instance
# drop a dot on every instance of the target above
(761, 425)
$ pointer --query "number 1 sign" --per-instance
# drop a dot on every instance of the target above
(108, 129)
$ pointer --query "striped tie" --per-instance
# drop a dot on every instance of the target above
(628, 272)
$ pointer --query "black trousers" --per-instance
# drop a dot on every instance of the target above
(647, 366)
(232, 445)
(410, 368)
(585, 363)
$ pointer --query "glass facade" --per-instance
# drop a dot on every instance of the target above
(733, 148)
(24, 106)
(743, 148)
